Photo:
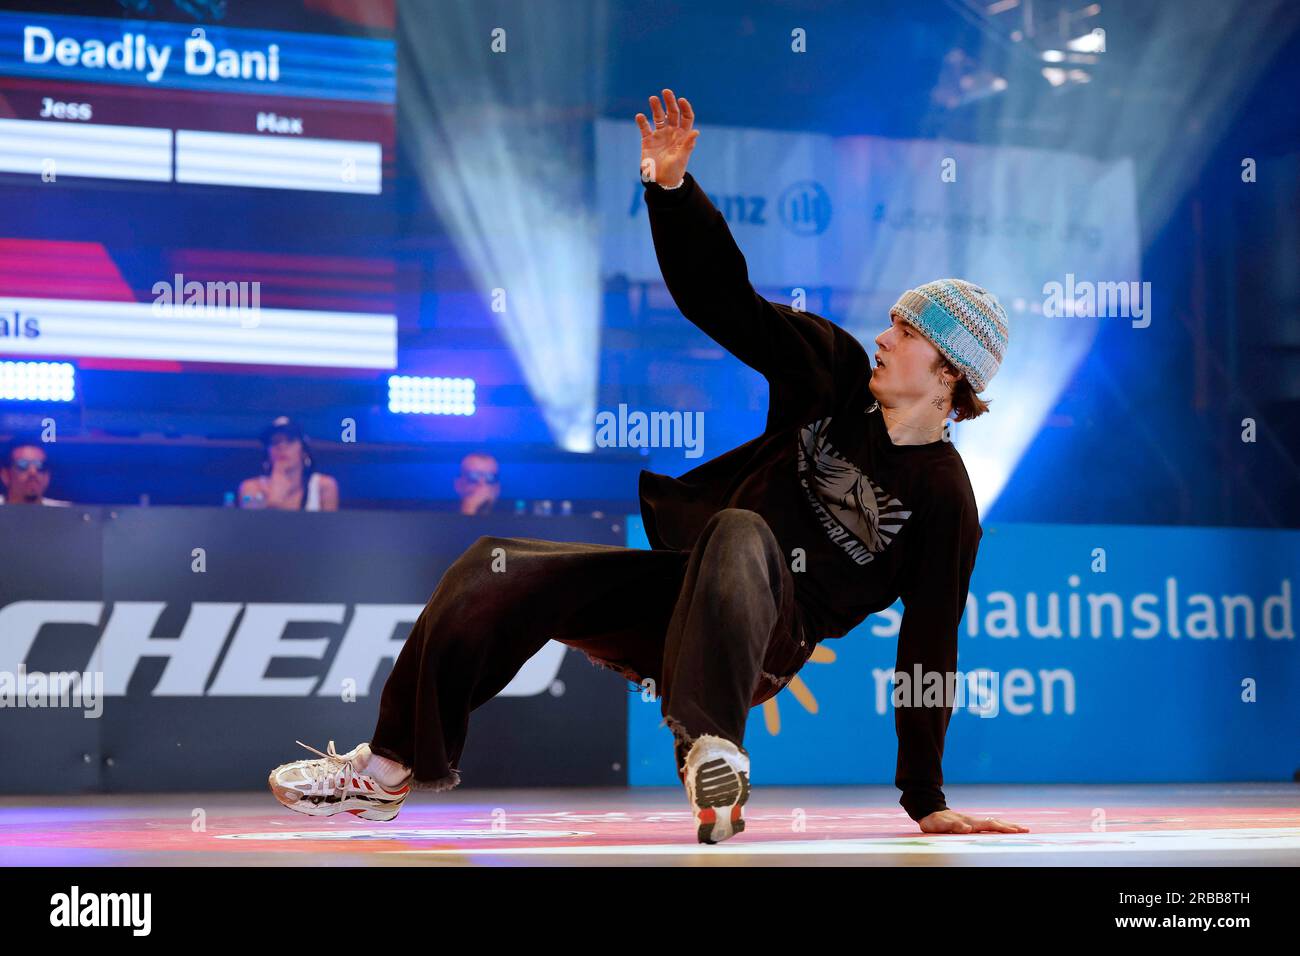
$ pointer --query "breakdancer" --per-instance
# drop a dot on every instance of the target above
(851, 498)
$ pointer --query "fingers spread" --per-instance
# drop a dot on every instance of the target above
(657, 111)
(643, 124)
(674, 115)
(688, 114)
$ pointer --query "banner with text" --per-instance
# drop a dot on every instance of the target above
(1087, 654)
(188, 648)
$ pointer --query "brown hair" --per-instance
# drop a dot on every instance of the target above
(965, 403)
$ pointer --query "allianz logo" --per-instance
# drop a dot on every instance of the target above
(802, 207)
(226, 649)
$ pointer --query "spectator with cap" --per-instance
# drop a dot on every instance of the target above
(25, 472)
(478, 484)
(289, 480)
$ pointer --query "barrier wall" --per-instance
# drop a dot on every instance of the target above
(1173, 658)
(1100, 654)
(221, 636)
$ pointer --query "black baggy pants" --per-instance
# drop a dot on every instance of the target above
(717, 629)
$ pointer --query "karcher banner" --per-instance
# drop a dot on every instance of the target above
(187, 648)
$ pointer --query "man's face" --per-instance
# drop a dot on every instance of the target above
(479, 477)
(904, 359)
(26, 475)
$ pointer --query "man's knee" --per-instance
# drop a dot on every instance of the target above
(741, 523)
(738, 533)
(742, 555)
(475, 563)
(483, 545)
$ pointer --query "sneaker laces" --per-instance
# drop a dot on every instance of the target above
(322, 772)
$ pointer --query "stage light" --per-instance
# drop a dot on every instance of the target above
(425, 395)
(37, 381)
(498, 146)
(1093, 42)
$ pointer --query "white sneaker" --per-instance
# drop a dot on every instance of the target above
(336, 783)
(717, 785)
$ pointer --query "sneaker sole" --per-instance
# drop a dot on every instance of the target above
(727, 789)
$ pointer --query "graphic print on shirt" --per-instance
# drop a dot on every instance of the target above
(859, 516)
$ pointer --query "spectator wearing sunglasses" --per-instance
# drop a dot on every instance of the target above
(479, 483)
(25, 473)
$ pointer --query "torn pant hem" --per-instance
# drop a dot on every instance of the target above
(773, 679)
(678, 730)
(626, 673)
(686, 738)
(449, 782)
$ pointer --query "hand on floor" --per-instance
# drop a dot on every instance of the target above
(950, 821)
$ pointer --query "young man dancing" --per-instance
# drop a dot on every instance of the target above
(850, 499)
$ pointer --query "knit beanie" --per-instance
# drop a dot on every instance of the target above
(966, 323)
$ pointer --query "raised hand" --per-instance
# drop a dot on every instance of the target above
(667, 145)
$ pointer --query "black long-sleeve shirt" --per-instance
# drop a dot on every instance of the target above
(875, 521)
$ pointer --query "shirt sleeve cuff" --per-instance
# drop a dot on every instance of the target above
(919, 805)
(657, 195)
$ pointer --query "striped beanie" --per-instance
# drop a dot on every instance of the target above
(966, 323)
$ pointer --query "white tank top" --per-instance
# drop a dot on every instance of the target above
(312, 502)
(313, 493)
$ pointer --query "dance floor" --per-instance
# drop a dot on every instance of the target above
(1161, 825)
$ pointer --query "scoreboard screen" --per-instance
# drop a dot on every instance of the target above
(182, 194)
